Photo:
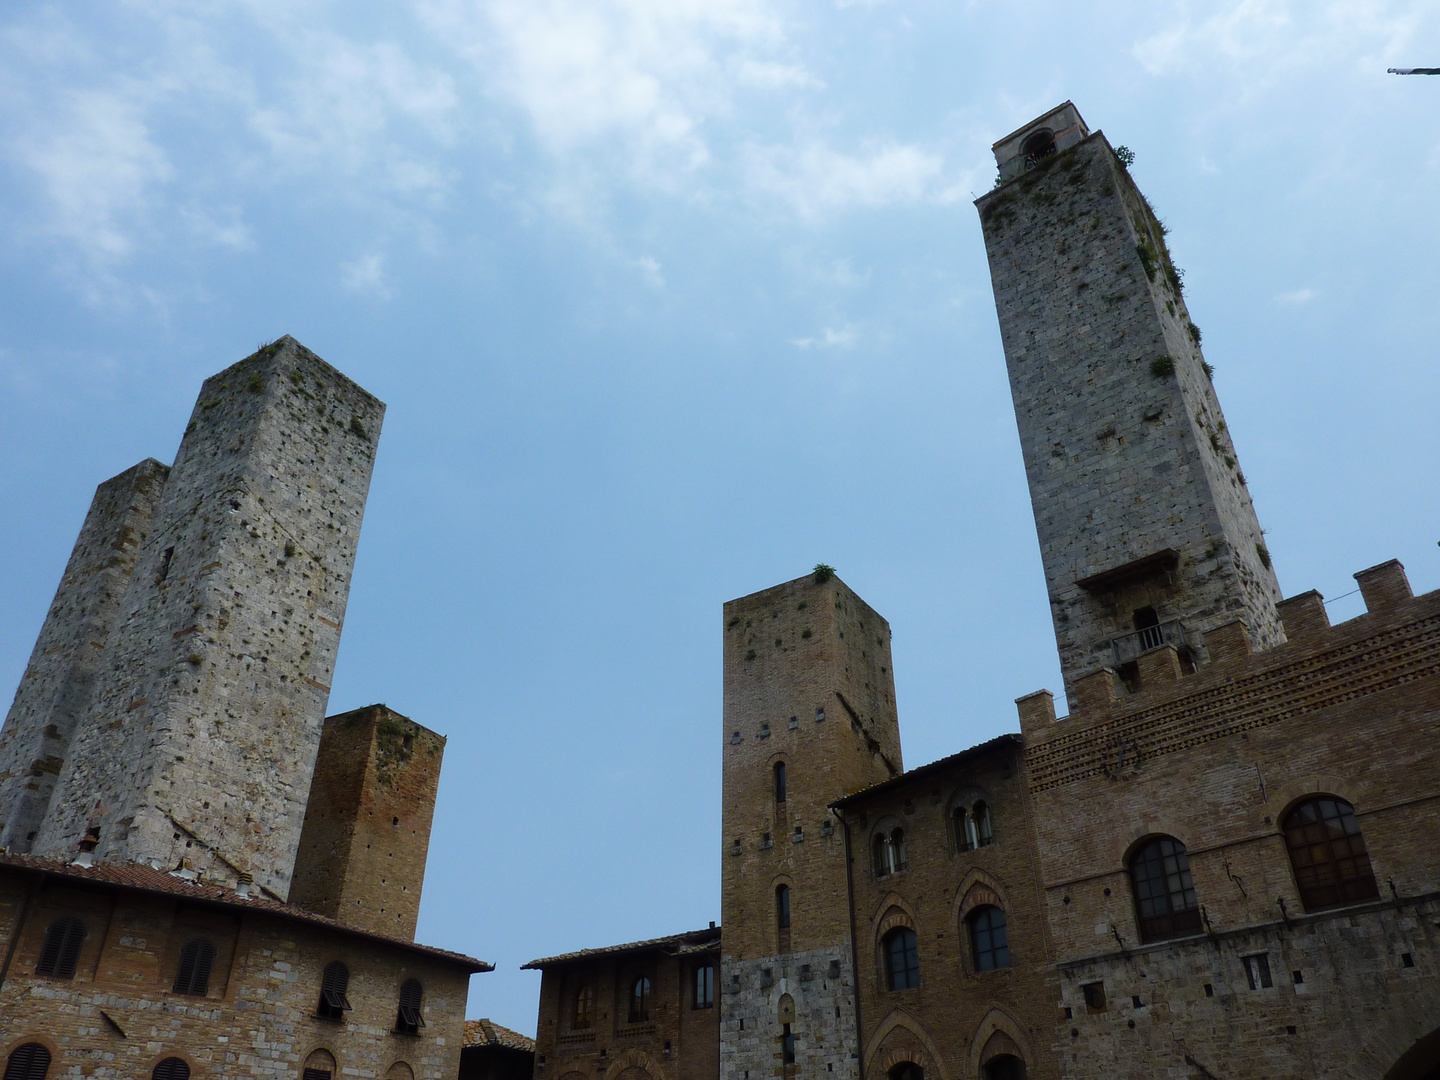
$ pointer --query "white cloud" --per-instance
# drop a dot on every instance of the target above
(843, 337)
(1296, 297)
(650, 271)
(817, 180)
(366, 275)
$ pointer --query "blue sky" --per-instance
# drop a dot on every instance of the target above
(670, 300)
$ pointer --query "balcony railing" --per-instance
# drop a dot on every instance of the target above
(1128, 647)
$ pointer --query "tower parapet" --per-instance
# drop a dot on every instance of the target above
(1147, 531)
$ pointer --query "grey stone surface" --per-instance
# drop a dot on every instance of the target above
(56, 686)
(1126, 450)
(821, 985)
(200, 737)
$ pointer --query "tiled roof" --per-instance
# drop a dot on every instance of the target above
(146, 879)
(901, 779)
(690, 941)
(488, 1033)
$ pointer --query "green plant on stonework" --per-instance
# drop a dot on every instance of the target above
(1162, 367)
(823, 572)
(805, 633)
(195, 659)
(394, 745)
(1176, 277)
(257, 384)
(734, 622)
(1125, 155)
(359, 428)
(1195, 333)
(1264, 553)
(1209, 370)
(1148, 256)
(750, 655)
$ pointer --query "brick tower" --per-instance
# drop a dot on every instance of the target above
(1147, 532)
(200, 735)
(56, 686)
(367, 826)
(809, 716)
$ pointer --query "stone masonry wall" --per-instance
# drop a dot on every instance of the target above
(201, 736)
(813, 991)
(119, 1017)
(1126, 450)
(367, 826)
(57, 682)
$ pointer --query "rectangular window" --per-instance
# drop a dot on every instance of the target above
(1257, 970)
(788, 1047)
(705, 986)
(1094, 996)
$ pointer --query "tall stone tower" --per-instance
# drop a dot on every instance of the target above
(1147, 532)
(200, 735)
(809, 716)
(367, 827)
(57, 683)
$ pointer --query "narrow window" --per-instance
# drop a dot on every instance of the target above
(584, 1007)
(1257, 971)
(779, 781)
(320, 1065)
(988, 943)
(902, 959)
(1094, 996)
(787, 1047)
(1165, 902)
(782, 906)
(1147, 628)
(172, 1068)
(28, 1062)
(705, 986)
(980, 817)
(640, 1000)
(193, 977)
(333, 984)
(62, 948)
(408, 1020)
(897, 849)
(1328, 854)
(164, 565)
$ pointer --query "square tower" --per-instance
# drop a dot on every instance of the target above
(809, 716)
(200, 735)
(1147, 532)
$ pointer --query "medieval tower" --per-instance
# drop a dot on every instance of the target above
(1146, 528)
(809, 714)
(197, 717)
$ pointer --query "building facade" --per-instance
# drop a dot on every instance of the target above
(202, 875)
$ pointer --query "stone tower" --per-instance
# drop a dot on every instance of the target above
(809, 716)
(200, 735)
(1147, 532)
(367, 827)
(57, 683)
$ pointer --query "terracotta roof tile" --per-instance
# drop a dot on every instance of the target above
(488, 1033)
(147, 879)
(900, 779)
(690, 941)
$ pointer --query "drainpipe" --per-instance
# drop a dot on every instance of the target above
(854, 948)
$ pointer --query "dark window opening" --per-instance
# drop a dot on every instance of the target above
(1005, 1067)
(902, 959)
(972, 827)
(583, 1013)
(705, 986)
(172, 1068)
(333, 984)
(640, 1000)
(787, 1047)
(989, 944)
(779, 781)
(164, 565)
(28, 1062)
(408, 1020)
(782, 906)
(62, 948)
(1165, 902)
(1129, 676)
(889, 852)
(193, 976)
(906, 1070)
(1147, 628)
(1094, 996)
(1038, 146)
(1328, 854)
(1257, 971)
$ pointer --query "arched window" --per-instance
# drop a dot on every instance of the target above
(988, 944)
(1005, 1067)
(172, 1068)
(889, 848)
(320, 1065)
(193, 976)
(782, 906)
(333, 984)
(705, 986)
(972, 826)
(906, 1070)
(62, 948)
(1164, 894)
(400, 1071)
(902, 959)
(584, 1011)
(1328, 854)
(1040, 144)
(779, 781)
(640, 1000)
(28, 1062)
(408, 1020)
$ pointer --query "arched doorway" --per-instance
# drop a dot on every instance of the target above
(1420, 1062)
(905, 1070)
(1005, 1067)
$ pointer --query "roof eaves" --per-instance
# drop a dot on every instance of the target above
(1008, 739)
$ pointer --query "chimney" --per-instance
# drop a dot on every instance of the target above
(86, 858)
(242, 885)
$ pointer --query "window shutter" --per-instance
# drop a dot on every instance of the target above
(171, 1069)
(28, 1062)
